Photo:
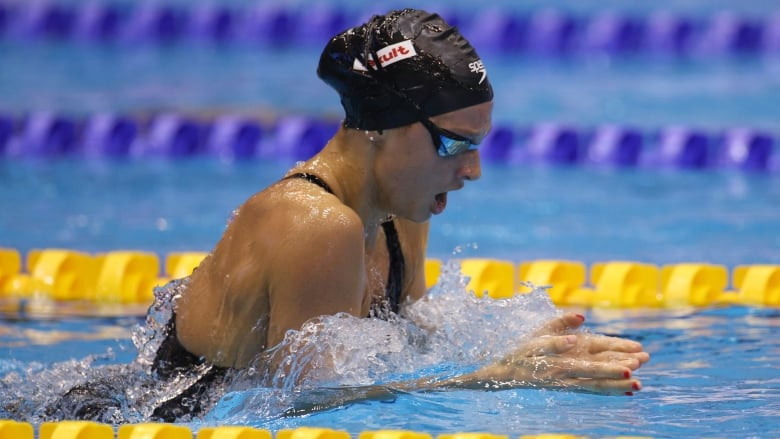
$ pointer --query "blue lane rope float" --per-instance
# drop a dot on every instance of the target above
(536, 32)
(235, 137)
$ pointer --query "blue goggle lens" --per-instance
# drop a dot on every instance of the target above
(446, 142)
(449, 146)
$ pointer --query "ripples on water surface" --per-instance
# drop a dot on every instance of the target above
(713, 372)
(516, 213)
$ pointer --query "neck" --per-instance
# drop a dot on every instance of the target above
(346, 163)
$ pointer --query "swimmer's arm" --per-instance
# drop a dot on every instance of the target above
(328, 277)
(317, 273)
(555, 358)
(551, 360)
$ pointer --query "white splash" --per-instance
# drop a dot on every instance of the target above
(449, 332)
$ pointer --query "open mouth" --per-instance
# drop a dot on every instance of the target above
(439, 203)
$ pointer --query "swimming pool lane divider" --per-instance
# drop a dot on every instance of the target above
(129, 277)
(232, 137)
(91, 430)
(537, 32)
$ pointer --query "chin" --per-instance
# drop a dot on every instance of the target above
(417, 217)
(423, 217)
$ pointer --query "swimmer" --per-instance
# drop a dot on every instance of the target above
(346, 231)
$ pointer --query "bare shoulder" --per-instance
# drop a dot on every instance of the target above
(315, 263)
(278, 230)
(277, 262)
(299, 208)
(308, 236)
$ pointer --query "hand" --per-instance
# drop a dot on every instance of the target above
(556, 358)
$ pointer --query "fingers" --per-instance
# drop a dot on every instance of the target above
(603, 343)
(560, 324)
(574, 368)
(544, 357)
(559, 362)
(603, 386)
(548, 345)
(632, 361)
(590, 376)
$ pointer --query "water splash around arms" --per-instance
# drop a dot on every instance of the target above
(341, 359)
(445, 333)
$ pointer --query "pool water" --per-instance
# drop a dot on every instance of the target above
(513, 212)
(584, 91)
(566, 213)
(714, 371)
(687, 390)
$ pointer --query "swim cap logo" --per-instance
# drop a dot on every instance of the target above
(388, 55)
(478, 67)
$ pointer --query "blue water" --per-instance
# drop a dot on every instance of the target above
(714, 372)
(586, 89)
(709, 94)
(688, 389)
(688, 392)
(513, 212)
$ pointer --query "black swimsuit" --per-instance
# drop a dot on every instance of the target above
(101, 398)
(173, 360)
(395, 276)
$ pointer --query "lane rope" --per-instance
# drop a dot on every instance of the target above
(129, 277)
(232, 137)
(534, 32)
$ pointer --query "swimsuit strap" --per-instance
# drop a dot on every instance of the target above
(312, 179)
(395, 276)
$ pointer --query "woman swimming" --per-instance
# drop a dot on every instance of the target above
(346, 231)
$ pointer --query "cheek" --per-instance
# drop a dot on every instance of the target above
(419, 169)
(413, 167)
(410, 164)
(407, 184)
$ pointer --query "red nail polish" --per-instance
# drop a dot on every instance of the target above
(627, 375)
(629, 393)
(635, 386)
(581, 317)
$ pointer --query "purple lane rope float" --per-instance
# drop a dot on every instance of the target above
(542, 32)
(292, 137)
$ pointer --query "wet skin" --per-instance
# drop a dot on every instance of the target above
(295, 252)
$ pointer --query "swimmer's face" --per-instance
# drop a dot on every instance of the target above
(418, 177)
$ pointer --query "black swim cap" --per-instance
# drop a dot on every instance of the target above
(426, 68)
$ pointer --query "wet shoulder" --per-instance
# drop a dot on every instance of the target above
(298, 206)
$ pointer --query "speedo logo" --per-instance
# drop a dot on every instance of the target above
(388, 55)
(479, 68)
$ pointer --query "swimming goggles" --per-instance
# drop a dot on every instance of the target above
(446, 142)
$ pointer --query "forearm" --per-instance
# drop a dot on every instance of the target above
(315, 400)
(485, 378)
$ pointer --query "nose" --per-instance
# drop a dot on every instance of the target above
(469, 167)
